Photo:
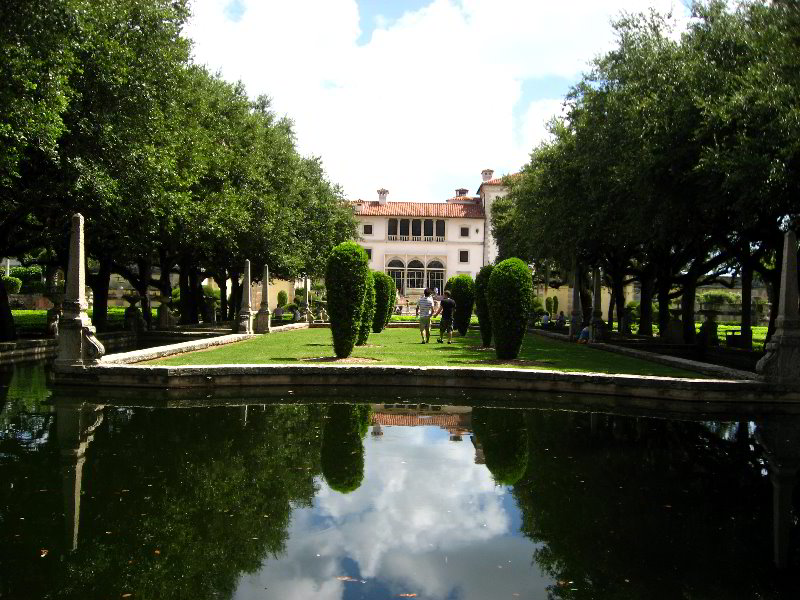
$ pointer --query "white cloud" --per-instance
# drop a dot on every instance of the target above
(425, 520)
(428, 102)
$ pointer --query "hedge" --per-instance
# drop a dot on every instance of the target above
(509, 298)
(342, 452)
(283, 298)
(462, 290)
(391, 300)
(481, 307)
(384, 285)
(12, 284)
(368, 313)
(346, 280)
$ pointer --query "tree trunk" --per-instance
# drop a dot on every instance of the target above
(611, 311)
(99, 284)
(183, 284)
(646, 306)
(194, 299)
(618, 295)
(221, 280)
(747, 299)
(687, 311)
(663, 305)
(8, 332)
(164, 281)
(145, 273)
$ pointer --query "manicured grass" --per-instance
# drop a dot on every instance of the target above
(403, 347)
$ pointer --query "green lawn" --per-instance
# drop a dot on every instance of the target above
(403, 347)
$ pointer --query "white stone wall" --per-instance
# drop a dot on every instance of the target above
(447, 252)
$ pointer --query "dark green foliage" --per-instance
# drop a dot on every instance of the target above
(391, 300)
(283, 298)
(342, 457)
(346, 280)
(462, 290)
(548, 305)
(369, 310)
(504, 439)
(481, 307)
(555, 306)
(509, 299)
(31, 278)
(13, 284)
(384, 286)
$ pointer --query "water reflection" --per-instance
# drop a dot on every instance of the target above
(296, 501)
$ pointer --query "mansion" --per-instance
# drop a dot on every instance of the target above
(422, 244)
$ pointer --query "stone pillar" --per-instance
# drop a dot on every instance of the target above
(263, 317)
(781, 363)
(576, 315)
(598, 325)
(77, 344)
(245, 317)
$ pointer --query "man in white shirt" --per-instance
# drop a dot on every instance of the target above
(425, 307)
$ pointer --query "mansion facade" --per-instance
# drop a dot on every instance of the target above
(423, 244)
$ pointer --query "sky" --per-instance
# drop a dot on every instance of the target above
(417, 96)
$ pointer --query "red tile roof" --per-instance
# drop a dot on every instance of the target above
(498, 180)
(419, 209)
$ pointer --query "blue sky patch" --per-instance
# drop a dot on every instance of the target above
(375, 13)
(234, 10)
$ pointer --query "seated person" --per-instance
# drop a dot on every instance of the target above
(583, 336)
(546, 319)
(561, 321)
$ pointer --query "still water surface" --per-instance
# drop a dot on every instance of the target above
(377, 501)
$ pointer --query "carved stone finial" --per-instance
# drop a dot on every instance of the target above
(263, 317)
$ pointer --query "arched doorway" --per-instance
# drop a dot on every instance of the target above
(436, 275)
(397, 271)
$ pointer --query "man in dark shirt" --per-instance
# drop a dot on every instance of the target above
(446, 308)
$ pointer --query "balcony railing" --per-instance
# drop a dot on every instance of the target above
(416, 238)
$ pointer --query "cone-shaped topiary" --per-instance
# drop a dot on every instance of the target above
(342, 453)
(391, 300)
(481, 307)
(384, 293)
(368, 313)
(462, 290)
(346, 282)
(509, 300)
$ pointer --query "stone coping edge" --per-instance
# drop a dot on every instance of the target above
(146, 354)
(501, 379)
(670, 361)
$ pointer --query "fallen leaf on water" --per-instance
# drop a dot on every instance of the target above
(43, 552)
(350, 579)
(127, 595)
(405, 595)
(156, 551)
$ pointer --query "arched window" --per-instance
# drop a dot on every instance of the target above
(397, 271)
(435, 275)
(415, 274)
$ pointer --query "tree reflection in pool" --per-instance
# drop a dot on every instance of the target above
(229, 502)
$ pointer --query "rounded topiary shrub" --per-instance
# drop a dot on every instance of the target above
(509, 299)
(462, 290)
(342, 452)
(391, 300)
(481, 307)
(368, 311)
(502, 434)
(346, 280)
(283, 298)
(384, 287)
(12, 284)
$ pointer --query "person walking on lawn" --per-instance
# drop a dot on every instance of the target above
(425, 308)
(446, 308)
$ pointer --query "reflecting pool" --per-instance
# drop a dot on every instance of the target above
(400, 499)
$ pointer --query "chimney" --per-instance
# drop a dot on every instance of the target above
(382, 193)
(487, 174)
(461, 192)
